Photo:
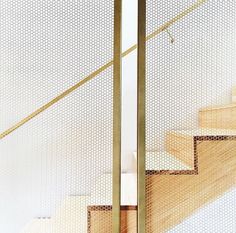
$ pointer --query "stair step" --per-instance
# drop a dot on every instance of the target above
(181, 143)
(38, 226)
(100, 219)
(102, 192)
(172, 199)
(163, 161)
(221, 117)
(181, 146)
(205, 132)
(234, 95)
(71, 216)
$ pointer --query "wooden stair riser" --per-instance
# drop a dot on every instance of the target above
(218, 118)
(100, 220)
(234, 95)
(181, 146)
(172, 198)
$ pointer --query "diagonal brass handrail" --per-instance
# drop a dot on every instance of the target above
(101, 69)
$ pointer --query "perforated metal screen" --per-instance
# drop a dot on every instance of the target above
(190, 116)
(59, 164)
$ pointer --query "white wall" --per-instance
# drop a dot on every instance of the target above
(216, 217)
(129, 85)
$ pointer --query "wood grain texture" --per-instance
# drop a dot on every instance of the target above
(181, 146)
(234, 94)
(100, 220)
(171, 199)
(220, 117)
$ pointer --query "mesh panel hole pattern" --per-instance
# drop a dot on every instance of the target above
(190, 129)
(60, 162)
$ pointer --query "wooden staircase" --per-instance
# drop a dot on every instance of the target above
(83, 213)
(209, 153)
(100, 219)
(174, 196)
(197, 167)
(219, 117)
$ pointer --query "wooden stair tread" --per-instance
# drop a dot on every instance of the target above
(100, 219)
(71, 216)
(73, 202)
(102, 193)
(40, 225)
(160, 161)
(174, 198)
(205, 132)
(234, 95)
(218, 107)
(182, 143)
(221, 117)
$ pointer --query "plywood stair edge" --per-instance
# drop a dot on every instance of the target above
(171, 199)
(72, 213)
(221, 117)
(234, 94)
(71, 216)
(100, 219)
(183, 143)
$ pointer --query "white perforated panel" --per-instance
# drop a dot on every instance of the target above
(190, 66)
(53, 166)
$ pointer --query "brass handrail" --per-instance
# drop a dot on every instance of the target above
(101, 69)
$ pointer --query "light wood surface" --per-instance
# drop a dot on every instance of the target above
(221, 117)
(234, 94)
(163, 161)
(71, 216)
(172, 198)
(203, 132)
(181, 146)
(101, 221)
(180, 143)
(38, 226)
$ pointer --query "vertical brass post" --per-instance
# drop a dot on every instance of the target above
(141, 114)
(116, 219)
